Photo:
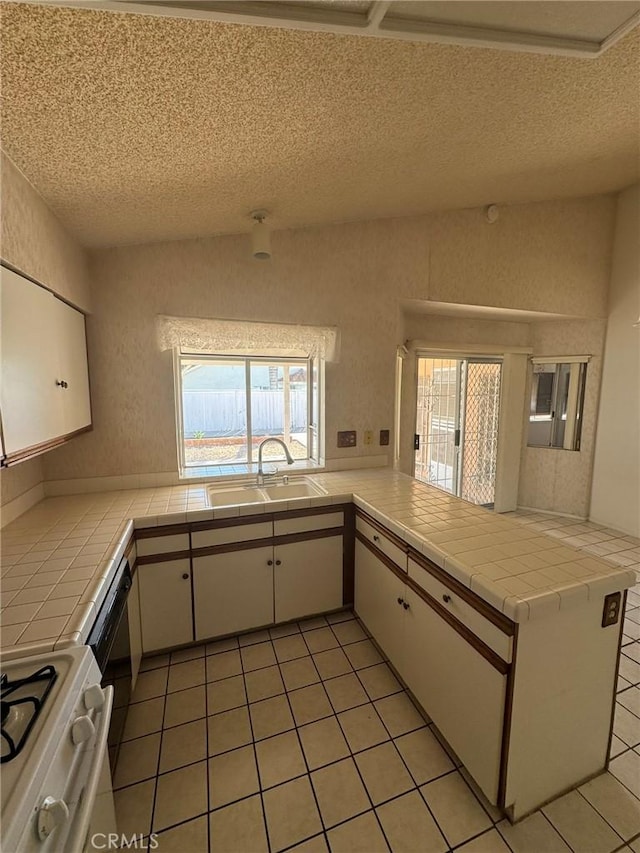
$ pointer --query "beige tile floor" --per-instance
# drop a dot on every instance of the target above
(300, 738)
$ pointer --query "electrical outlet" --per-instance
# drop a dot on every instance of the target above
(368, 436)
(347, 438)
(384, 437)
(611, 609)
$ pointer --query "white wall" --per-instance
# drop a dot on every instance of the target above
(550, 256)
(615, 498)
(552, 479)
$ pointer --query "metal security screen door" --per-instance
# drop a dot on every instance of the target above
(456, 441)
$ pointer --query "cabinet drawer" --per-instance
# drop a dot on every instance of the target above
(227, 535)
(382, 542)
(162, 544)
(490, 634)
(303, 523)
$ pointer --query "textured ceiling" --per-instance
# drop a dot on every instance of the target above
(138, 128)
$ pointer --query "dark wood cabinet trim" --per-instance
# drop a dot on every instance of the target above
(267, 542)
(348, 556)
(506, 725)
(399, 543)
(325, 509)
(163, 558)
(388, 562)
(236, 521)
(466, 633)
(43, 447)
(162, 530)
(229, 547)
(487, 653)
(490, 613)
(307, 535)
(473, 600)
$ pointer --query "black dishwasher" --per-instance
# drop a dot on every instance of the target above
(109, 641)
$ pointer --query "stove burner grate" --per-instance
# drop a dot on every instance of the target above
(15, 698)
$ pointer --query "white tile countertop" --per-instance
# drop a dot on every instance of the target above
(59, 557)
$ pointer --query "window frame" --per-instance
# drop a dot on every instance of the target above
(315, 394)
(573, 402)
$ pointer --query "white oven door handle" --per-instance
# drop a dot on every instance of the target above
(82, 820)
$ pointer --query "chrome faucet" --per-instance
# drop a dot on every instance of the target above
(261, 474)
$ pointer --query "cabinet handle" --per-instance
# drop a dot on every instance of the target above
(405, 605)
(400, 601)
(278, 562)
(185, 576)
(269, 562)
(446, 598)
(376, 538)
(61, 383)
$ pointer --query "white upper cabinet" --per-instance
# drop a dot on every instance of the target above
(72, 366)
(44, 388)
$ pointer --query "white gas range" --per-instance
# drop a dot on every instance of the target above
(55, 777)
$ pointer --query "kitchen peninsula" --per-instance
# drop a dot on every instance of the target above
(508, 640)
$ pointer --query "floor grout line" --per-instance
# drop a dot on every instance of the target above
(352, 756)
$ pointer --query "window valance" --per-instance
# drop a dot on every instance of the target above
(228, 337)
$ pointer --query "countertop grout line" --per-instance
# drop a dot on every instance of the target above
(410, 509)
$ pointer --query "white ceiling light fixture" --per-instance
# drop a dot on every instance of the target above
(260, 236)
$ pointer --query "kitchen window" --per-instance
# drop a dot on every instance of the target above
(557, 401)
(228, 405)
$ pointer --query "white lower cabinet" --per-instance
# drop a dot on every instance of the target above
(165, 604)
(460, 690)
(307, 577)
(379, 597)
(239, 590)
(233, 591)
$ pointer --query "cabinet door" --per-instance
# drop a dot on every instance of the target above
(377, 591)
(165, 604)
(30, 401)
(72, 366)
(307, 577)
(460, 690)
(232, 592)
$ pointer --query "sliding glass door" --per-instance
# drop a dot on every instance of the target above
(456, 438)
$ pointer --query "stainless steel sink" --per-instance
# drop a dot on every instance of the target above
(219, 496)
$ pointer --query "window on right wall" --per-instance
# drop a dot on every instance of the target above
(557, 400)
